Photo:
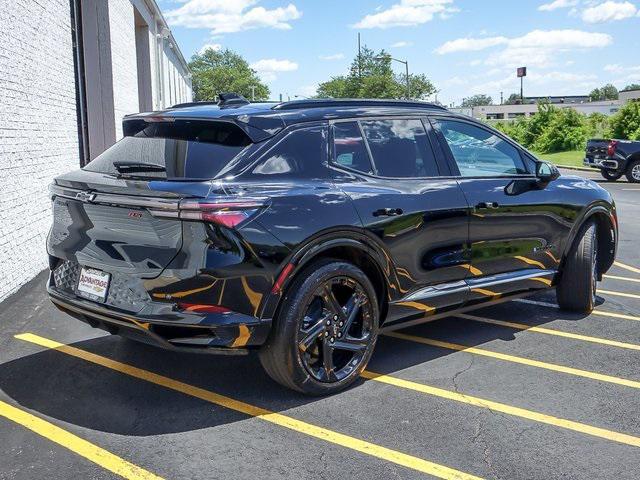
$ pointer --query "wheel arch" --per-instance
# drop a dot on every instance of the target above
(351, 246)
(606, 232)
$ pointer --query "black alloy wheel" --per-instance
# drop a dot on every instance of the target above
(325, 331)
(336, 329)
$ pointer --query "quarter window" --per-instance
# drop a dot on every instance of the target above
(400, 148)
(300, 154)
(479, 152)
(349, 149)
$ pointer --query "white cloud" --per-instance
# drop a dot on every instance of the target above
(334, 56)
(536, 48)
(213, 46)
(268, 67)
(547, 7)
(229, 16)
(609, 11)
(469, 44)
(407, 13)
(401, 44)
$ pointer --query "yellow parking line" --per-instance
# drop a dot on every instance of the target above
(503, 408)
(626, 279)
(615, 315)
(514, 359)
(595, 311)
(97, 455)
(549, 331)
(372, 449)
(626, 267)
(618, 294)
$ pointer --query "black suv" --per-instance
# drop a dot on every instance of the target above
(304, 229)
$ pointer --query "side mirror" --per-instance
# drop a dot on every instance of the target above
(546, 172)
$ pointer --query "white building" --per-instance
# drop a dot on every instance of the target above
(69, 72)
(510, 112)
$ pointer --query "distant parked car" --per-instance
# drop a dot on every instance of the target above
(302, 229)
(614, 158)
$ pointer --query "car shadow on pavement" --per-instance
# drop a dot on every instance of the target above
(91, 396)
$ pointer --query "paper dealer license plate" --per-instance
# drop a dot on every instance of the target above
(93, 284)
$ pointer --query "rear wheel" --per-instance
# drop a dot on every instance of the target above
(610, 175)
(325, 331)
(577, 288)
(633, 171)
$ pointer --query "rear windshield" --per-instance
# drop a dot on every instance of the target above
(183, 149)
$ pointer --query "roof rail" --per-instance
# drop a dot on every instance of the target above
(224, 100)
(353, 102)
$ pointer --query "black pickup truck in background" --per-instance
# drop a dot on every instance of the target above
(614, 158)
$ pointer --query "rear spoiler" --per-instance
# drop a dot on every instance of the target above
(257, 127)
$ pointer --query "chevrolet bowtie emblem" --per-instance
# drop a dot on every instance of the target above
(85, 196)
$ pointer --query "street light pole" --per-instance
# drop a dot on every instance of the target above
(406, 69)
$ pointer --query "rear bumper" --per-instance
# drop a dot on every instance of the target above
(607, 163)
(213, 333)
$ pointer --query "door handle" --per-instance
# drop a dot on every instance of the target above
(387, 212)
(491, 205)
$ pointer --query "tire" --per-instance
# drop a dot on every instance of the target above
(610, 175)
(328, 317)
(633, 171)
(576, 291)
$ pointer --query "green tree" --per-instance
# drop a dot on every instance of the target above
(606, 92)
(220, 71)
(371, 76)
(566, 130)
(477, 100)
(633, 86)
(625, 124)
(513, 99)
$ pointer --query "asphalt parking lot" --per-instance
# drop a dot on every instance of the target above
(519, 390)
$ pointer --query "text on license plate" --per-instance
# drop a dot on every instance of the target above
(93, 283)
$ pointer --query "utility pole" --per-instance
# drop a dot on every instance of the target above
(253, 93)
(359, 58)
(500, 98)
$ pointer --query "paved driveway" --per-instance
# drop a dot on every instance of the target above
(516, 390)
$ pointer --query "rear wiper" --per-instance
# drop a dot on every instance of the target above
(128, 167)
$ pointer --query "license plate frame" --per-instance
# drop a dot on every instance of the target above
(93, 284)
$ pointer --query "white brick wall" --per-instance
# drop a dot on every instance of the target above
(38, 129)
(123, 59)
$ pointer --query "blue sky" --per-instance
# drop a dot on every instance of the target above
(464, 46)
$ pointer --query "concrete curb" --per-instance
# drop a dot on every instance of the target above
(571, 167)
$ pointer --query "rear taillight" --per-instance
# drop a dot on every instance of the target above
(228, 214)
(611, 148)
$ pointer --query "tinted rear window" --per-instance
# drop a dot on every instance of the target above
(186, 149)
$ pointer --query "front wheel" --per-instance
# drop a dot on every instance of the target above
(633, 171)
(577, 288)
(325, 330)
(610, 175)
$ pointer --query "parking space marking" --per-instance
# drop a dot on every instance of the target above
(626, 267)
(549, 331)
(362, 446)
(504, 408)
(68, 440)
(618, 294)
(514, 359)
(617, 277)
(594, 312)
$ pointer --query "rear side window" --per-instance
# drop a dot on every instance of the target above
(349, 149)
(302, 153)
(479, 152)
(400, 148)
(183, 149)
